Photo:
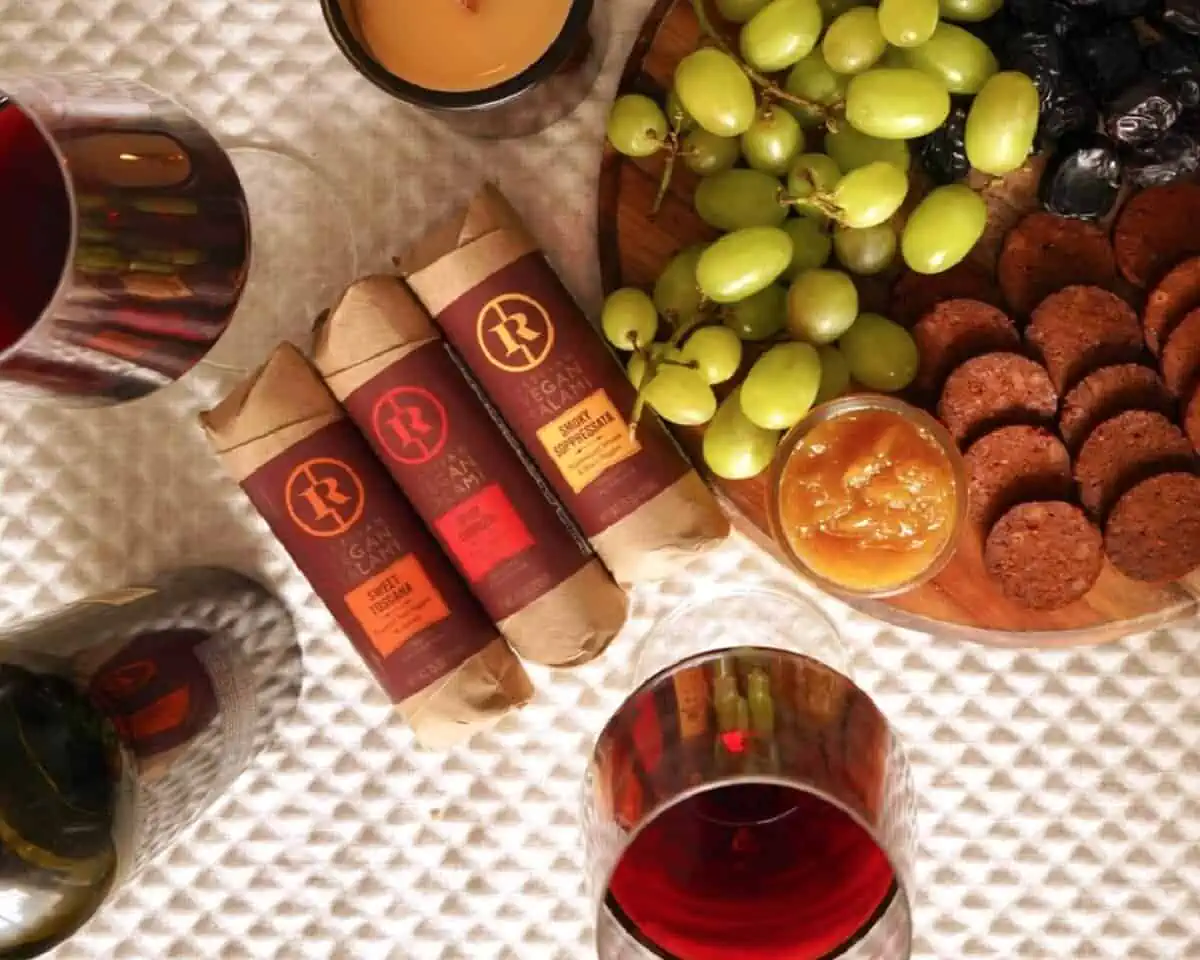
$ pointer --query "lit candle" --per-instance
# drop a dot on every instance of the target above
(471, 57)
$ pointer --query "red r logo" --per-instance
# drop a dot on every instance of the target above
(410, 424)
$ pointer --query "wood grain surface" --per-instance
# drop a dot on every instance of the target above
(962, 602)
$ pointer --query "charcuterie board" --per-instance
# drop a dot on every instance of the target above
(962, 601)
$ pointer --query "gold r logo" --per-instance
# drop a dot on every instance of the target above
(515, 333)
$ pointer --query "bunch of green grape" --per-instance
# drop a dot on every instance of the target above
(798, 131)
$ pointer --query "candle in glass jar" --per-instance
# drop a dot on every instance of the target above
(455, 46)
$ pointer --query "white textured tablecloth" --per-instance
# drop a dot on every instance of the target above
(1060, 791)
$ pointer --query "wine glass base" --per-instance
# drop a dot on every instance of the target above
(303, 253)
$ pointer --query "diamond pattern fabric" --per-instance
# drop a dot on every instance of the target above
(1059, 791)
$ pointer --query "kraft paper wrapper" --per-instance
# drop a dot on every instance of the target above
(286, 402)
(681, 522)
(378, 322)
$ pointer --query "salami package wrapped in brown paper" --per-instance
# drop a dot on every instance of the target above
(314, 479)
(506, 532)
(563, 393)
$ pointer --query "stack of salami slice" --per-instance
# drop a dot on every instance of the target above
(1069, 407)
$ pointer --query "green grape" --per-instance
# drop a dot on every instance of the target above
(812, 173)
(680, 395)
(781, 386)
(811, 244)
(716, 92)
(677, 117)
(853, 41)
(742, 263)
(896, 104)
(716, 351)
(821, 305)
(957, 57)
(705, 153)
(676, 294)
(780, 34)
(832, 9)
(637, 126)
(881, 354)
(736, 199)
(851, 149)
(1001, 123)
(773, 141)
(906, 23)
(739, 11)
(835, 373)
(759, 317)
(970, 11)
(629, 319)
(943, 229)
(636, 368)
(812, 79)
(734, 447)
(865, 252)
(868, 196)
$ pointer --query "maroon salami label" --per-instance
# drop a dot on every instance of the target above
(562, 392)
(505, 532)
(367, 555)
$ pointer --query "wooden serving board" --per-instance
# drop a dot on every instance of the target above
(962, 601)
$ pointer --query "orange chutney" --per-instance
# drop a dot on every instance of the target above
(868, 500)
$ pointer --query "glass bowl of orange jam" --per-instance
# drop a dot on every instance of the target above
(867, 496)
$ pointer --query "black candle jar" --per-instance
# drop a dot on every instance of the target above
(543, 93)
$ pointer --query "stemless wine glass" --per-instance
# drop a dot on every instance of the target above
(748, 800)
(125, 248)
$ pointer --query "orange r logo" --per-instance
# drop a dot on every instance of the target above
(324, 497)
(515, 333)
(410, 424)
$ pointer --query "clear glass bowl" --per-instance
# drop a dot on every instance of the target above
(796, 437)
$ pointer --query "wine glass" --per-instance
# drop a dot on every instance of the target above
(126, 247)
(748, 800)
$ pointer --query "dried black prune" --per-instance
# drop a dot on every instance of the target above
(943, 153)
(1071, 110)
(1182, 15)
(1108, 60)
(1116, 9)
(1143, 113)
(1083, 178)
(1040, 57)
(994, 31)
(1051, 16)
(1176, 56)
(1176, 155)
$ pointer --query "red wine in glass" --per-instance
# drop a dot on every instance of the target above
(35, 228)
(751, 870)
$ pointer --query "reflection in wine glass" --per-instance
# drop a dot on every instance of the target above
(747, 800)
(126, 247)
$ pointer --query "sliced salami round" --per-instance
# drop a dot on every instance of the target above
(1124, 451)
(1107, 392)
(1044, 253)
(1154, 531)
(1044, 555)
(1177, 295)
(1156, 229)
(1191, 419)
(996, 390)
(1080, 329)
(1012, 465)
(1181, 356)
(955, 331)
(915, 294)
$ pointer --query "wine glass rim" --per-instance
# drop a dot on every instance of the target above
(898, 892)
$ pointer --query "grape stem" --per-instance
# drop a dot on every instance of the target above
(771, 89)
